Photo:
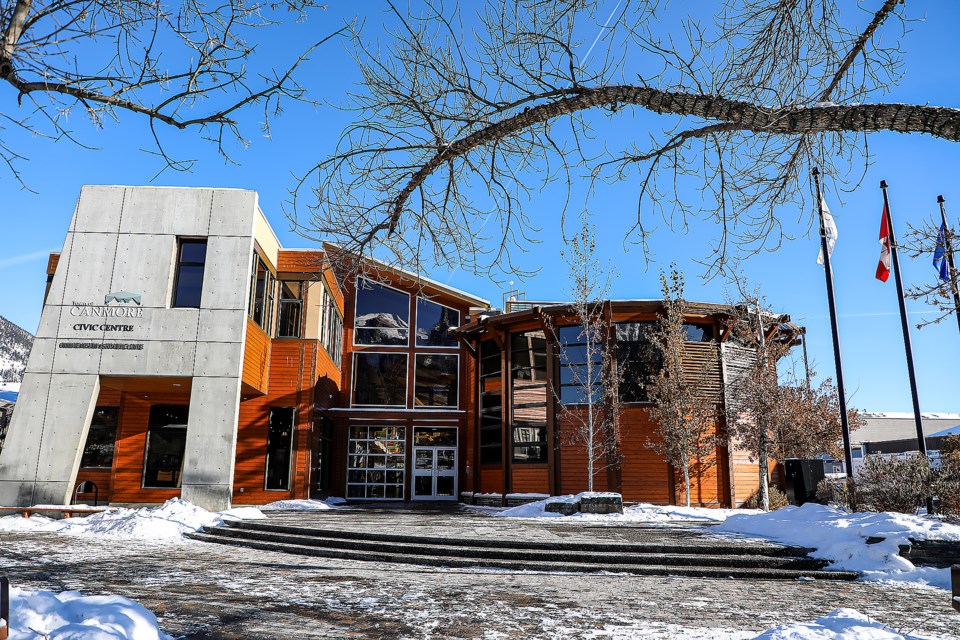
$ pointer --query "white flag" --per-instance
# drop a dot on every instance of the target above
(829, 227)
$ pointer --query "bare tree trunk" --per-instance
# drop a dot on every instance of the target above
(591, 426)
(686, 478)
(764, 501)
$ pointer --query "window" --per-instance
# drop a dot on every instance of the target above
(262, 287)
(166, 442)
(638, 358)
(697, 332)
(188, 282)
(323, 455)
(376, 462)
(491, 404)
(279, 446)
(291, 310)
(434, 322)
(436, 380)
(331, 327)
(101, 438)
(380, 379)
(383, 315)
(528, 359)
(579, 383)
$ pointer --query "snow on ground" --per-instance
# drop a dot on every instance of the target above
(304, 505)
(44, 615)
(642, 512)
(166, 522)
(841, 538)
(840, 624)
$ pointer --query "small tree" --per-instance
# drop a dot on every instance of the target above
(587, 357)
(684, 412)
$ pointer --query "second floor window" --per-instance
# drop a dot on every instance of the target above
(262, 293)
(291, 310)
(188, 284)
(638, 359)
(383, 315)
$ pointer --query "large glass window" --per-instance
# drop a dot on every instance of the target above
(101, 438)
(581, 365)
(383, 315)
(188, 283)
(528, 357)
(638, 359)
(491, 404)
(263, 287)
(696, 332)
(331, 329)
(434, 322)
(380, 379)
(376, 461)
(436, 380)
(279, 448)
(291, 310)
(166, 442)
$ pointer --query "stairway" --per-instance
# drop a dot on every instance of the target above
(719, 559)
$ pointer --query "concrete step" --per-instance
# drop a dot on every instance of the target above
(715, 547)
(534, 557)
(480, 560)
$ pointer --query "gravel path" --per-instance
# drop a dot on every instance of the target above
(211, 591)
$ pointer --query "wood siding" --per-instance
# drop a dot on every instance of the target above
(256, 358)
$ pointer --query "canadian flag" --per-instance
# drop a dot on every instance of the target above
(883, 267)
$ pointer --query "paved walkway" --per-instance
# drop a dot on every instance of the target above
(211, 591)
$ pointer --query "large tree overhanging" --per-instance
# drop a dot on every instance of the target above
(181, 65)
(452, 121)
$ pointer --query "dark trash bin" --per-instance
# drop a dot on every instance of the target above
(803, 476)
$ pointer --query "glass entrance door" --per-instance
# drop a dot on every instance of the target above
(434, 463)
(435, 473)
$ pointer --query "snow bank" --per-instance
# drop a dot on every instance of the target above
(43, 615)
(841, 538)
(638, 513)
(169, 521)
(840, 624)
(304, 505)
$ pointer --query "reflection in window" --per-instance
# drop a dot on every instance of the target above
(491, 403)
(166, 442)
(279, 448)
(262, 294)
(638, 359)
(383, 315)
(331, 327)
(380, 379)
(435, 437)
(579, 383)
(434, 322)
(188, 284)
(697, 332)
(528, 357)
(291, 310)
(436, 380)
(101, 438)
(376, 462)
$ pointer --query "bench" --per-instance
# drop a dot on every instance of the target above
(67, 512)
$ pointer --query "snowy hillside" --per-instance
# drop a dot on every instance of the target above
(15, 346)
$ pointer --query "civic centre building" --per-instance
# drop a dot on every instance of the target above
(182, 351)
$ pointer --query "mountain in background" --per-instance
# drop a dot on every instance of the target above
(15, 346)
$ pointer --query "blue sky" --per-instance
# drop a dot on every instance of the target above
(916, 168)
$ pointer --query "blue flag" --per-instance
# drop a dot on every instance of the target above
(940, 255)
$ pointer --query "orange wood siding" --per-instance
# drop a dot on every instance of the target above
(491, 480)
(530, 478)
(300, 261)
(52, 263)
(256, 357)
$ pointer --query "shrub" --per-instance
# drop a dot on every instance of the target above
(778, 500)
(893, 484)
(832, 491)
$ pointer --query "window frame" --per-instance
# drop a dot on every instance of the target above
(269, 286)
(146, 450)
(481, 376)
(406, 377)
(290, 456)
(116, 428)
(356, 301)
(560, 385)
(179, 262)
(658, 363)
(416, 369)
(546, 399)
(299, 304)
(416, 325)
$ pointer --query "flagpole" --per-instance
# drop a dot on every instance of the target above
(949, 257)
(905, 325)
(828, 274)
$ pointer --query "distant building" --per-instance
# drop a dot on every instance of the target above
(889, 432)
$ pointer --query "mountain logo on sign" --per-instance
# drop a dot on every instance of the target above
(123, 297)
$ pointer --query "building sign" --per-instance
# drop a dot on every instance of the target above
(123, 308)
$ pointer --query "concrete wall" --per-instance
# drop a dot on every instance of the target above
(125, 239)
